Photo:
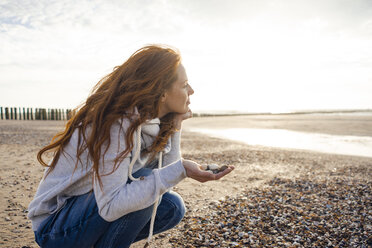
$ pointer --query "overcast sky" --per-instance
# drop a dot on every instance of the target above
(242, 55)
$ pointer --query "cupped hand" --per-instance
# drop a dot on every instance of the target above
(194, 171)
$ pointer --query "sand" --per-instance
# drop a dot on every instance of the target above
(255, 166)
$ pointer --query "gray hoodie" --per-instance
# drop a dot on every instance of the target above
(116, 198)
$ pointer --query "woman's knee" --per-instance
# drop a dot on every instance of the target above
(178, 204)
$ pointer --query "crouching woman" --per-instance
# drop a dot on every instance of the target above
(108, 184)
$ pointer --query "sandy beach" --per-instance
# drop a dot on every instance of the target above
(275, 197)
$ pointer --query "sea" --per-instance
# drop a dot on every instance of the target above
(280, 138)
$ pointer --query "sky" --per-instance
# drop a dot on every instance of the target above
(240, 55)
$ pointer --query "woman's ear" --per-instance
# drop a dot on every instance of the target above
(163, 97)
(163, 110)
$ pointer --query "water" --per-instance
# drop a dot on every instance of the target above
(336, 144)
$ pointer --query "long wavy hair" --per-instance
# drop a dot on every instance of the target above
(137, 83)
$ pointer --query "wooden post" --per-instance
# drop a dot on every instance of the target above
(1, 113)
(15, 113)
(6, 113)
(68, 114)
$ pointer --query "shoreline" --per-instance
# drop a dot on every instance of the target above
(359, 125)
(304, 112)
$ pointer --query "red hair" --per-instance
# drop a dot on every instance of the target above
(138, 83)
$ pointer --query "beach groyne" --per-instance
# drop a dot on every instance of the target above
(24, 113)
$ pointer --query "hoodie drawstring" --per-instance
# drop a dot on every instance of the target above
(136, 154)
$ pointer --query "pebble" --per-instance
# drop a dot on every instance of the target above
(214, 168)
(296, 213)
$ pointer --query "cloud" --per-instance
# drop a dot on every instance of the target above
(265, 42)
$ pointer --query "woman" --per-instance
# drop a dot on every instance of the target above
(131, 122)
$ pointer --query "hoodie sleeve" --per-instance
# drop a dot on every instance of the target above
(115, 198)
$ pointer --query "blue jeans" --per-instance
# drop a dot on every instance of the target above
(78, 223)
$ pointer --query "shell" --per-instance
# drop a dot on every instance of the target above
(212, 167)
(222, 168)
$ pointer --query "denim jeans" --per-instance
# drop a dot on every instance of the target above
(78, 223)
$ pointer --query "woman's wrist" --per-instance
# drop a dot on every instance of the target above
(180, 118)
(178, 128)
(178, 125)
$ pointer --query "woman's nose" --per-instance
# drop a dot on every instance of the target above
(191, 91)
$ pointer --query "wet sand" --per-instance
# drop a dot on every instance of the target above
(256, 168)
(357, 125)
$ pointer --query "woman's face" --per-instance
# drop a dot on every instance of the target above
(177, 98)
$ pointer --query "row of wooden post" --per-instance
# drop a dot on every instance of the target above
(12, 113)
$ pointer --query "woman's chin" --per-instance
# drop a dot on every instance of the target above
(182, 111)
(187, 110)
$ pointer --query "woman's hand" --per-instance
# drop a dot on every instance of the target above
(194, 171)
(179, 118)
